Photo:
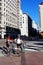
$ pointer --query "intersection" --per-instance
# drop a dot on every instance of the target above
(33, 55)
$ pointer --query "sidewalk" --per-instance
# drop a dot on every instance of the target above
(2, 42)
(27, 58)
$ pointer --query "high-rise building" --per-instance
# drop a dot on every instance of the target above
(34, 25)
(21, 19)
(41, 16)
(18, 12)
(9, 15)
(23, 25)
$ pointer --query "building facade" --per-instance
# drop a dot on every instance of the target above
(23, 25)
(41, 16)
(34, 25)
(9, 16)
(18, 12)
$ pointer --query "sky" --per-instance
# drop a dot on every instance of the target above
(31, 7)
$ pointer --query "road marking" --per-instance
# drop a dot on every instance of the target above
(31, 50)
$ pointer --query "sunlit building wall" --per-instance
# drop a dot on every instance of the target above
(24, 26)
(18, 12)
(9, 15)
(41, 16)
(34, 25)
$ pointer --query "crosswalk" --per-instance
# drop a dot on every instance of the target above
(34, 46)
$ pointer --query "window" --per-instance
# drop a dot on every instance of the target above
(4, 22)
(0, 12)
(23, 21)
(0, 8)
(0, 3)
(0, 21)
(4, 4)
(4, 0)
(0, 17)
(4, 9)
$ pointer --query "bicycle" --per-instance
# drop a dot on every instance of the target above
(12, 50)
(9, 51)
(15, 51)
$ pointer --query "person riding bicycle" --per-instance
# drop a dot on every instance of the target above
(8, 40)
(19, 42)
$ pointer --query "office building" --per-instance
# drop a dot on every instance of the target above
(9, 16)
(24, 24)
(18, 12)
(34, 25)
(41, 16)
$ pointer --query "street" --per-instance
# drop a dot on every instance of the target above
(34, 46)
(33, 55)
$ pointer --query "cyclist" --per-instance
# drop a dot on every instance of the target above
(19, 42)
(8, 40)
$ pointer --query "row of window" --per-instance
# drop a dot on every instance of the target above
(0, 4)
(9, 10)
(11, 5)
(0, 8)
(7, 24)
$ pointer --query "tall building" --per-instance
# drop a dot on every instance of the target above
(18, 12)
(9, 16)
(23, 24)
(34, 25)
(21, 19)
(41, 16)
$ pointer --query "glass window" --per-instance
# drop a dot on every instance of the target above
(0, 3)
(4, 9)
(4, 0)
(0, 8)
(0, 12)
(0, 21)
(0, 17)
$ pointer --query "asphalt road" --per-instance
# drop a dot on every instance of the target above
(27, 58)
(28, 45)
(34, 46)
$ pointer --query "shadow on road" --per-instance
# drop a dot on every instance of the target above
(23, 59)
(38, 43)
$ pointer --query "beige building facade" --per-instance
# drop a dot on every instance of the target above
(41, 16)
(18, 12)
(9, 15)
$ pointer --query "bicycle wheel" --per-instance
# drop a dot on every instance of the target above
(4, 53)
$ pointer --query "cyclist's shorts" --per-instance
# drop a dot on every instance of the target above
(18, 45)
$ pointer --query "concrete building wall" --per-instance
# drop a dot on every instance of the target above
(24, 29)
(34, 25)
(18, 12)
(8, 15)
(41, 16)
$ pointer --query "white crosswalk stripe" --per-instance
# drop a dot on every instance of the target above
(33, 46)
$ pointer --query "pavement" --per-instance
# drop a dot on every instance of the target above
(26, 58)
